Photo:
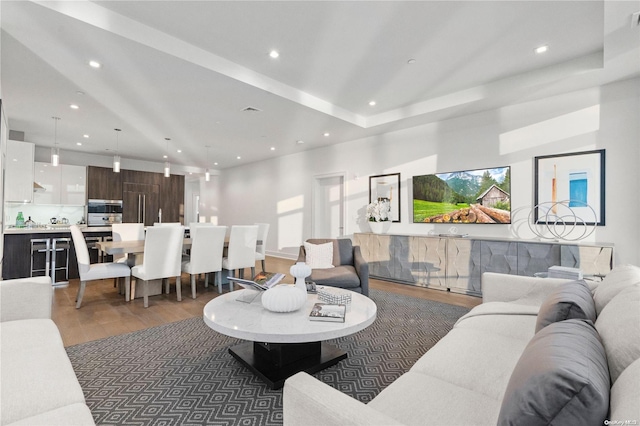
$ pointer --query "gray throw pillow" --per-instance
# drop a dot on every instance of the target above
(572, 300)
(561, 378)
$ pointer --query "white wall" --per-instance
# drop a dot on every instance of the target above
(278, 191)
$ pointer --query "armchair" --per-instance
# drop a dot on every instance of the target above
(350, 271)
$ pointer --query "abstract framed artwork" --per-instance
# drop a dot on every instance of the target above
(386, 187)
(570, 189)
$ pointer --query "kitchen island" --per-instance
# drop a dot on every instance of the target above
(18, 242)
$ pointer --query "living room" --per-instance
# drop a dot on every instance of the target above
(569, 108)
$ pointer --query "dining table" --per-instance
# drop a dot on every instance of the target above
(135, 248)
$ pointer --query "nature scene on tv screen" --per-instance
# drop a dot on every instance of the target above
(471, 196)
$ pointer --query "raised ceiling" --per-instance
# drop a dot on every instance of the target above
(186, 70)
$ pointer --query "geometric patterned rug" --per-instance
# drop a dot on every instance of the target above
(182, 374)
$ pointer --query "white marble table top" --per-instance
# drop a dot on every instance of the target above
(251, 321)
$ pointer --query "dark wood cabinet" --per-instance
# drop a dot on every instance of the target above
(17, 254)
(143, 194)
(103, 184)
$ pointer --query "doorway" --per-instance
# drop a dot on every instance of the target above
(328, 209)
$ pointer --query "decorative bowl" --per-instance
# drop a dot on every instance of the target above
(284, 298)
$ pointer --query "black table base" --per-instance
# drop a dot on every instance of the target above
(275, 362)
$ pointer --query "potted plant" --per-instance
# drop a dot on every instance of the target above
(378, 215)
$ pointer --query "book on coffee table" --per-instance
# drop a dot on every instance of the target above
(327, 312)
(262, 281)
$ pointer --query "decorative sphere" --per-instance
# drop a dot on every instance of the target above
(284, 298)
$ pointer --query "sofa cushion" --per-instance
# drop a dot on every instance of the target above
(572, 300)
(75, 414)
(478, 360)
(319, 256)
(420, 399)
(344, 276)
(617, 280)
(561, 378)
(37, 376)
(625, 395)
(619, 328)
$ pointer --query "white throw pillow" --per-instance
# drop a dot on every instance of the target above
(319, 256)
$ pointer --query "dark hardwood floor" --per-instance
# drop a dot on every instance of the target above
(104, 312)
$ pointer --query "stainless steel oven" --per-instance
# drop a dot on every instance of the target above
(104, 212)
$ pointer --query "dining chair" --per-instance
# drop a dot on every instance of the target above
(207, 245)
(162, 258)
(126, 232)
(97, 271)
(241, 252)
(263, 231)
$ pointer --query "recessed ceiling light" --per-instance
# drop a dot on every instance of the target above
(326, 134)
(299, 142)
(79, 92)
(79, 143)
(238, 157)
(372, 103)
(215, 164)
(273, 148)
(95, 64)
(541, 49)
(411, 61)
(179, 151)
(85, 136)
(274, 54)
(74, 106)
(164, 156)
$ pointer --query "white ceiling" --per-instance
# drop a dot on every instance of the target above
(186, 69)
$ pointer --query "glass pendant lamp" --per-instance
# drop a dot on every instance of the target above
(116, 158)
(55, 151)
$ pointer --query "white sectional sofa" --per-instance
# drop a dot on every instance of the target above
(494, 367)
(38, 385)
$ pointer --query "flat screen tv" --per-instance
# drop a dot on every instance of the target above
(468, 196)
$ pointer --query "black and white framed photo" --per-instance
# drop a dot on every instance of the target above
(387, 187)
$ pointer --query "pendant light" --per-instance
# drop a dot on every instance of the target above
(207, 173)
(55, 151)
(167, 166)
(116, 158)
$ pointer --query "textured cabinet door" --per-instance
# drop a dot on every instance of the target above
(463, 265)
(536, 257)
(18, 182)
(429, 255)
(591, 260)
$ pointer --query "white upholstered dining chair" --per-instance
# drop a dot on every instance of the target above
(162, 258)
(126, 232)
(97, 271)
(207, 245)
(261, 249)
(241, 252)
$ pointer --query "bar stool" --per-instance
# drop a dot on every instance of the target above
(40, 245)
(60, 245)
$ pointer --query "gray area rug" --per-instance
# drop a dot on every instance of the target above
(182, 374)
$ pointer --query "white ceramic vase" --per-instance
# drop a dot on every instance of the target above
(300, 271)
(380, 227)
(284, 298)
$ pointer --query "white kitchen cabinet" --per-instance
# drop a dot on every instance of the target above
(18, 184)
(73, 185)
(63, 185)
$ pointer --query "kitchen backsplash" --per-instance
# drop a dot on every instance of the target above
(42, 214)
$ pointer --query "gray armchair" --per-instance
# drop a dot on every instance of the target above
(350, 270)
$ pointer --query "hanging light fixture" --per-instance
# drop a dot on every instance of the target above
(207, 173)
(116, 158)
(167, 166)
(55, 151)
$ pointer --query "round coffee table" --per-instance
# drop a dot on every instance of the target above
(283, 344)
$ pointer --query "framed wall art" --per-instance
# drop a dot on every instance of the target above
(570, 189)
(386, 187)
